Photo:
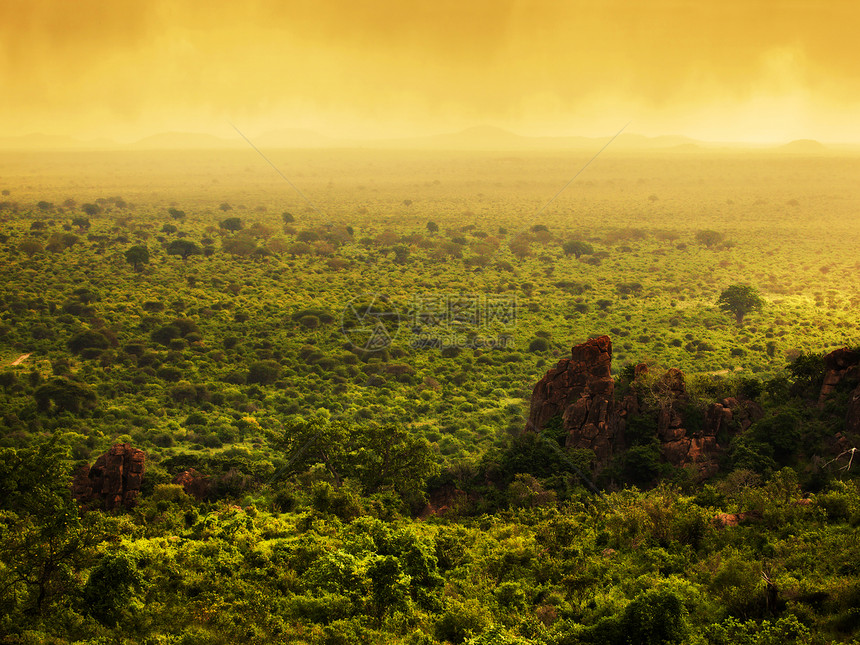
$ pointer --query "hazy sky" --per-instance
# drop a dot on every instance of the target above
(716, 70)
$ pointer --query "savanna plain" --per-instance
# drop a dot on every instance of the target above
(328, 366)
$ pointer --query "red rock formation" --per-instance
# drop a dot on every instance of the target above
(580, 390)
(724, 520)
(852, 421)
(838, 364)
(194, 483)
(114, 479)
(443, 500)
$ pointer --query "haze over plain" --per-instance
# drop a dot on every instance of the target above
(729, 71)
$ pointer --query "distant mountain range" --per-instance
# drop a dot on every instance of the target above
(475, 138)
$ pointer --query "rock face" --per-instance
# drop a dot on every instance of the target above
(725, 520)
(443, 499)
(194, 483)
(114, 479)
(838, 364)
(852, 422)
(580, 390)
(843, 364)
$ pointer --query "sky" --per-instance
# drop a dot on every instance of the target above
(732, 70)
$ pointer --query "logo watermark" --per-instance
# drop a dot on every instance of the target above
(370, 322)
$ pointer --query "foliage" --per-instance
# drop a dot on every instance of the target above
(183, 248)
(740, 300)
(577, 248)
(709, 237)
(317, 451)
(137, 256)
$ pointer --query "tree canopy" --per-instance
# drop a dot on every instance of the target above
(577, 248)
(136, 256)
(183, 248)
(739, 300)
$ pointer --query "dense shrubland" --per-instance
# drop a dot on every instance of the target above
(205, 328)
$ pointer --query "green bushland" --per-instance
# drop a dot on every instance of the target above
(220, 349)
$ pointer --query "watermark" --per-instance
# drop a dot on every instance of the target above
(372, 322)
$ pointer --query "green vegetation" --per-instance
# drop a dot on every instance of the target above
(351, 379)
(740, 300)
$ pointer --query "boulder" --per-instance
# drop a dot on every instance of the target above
(194, 484)
(852, 421)
(113, 480)
(445, 499)
(837, 365)
(580, 390)
(724, 520)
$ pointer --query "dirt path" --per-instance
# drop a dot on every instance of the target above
(20, 359)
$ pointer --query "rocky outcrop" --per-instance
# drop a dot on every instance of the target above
(838, 364)
(193, 483)
(114, 480)
(725, 520)
(580, 390)
(445, 499)
(852, 421)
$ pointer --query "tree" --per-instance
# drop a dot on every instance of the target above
(91, 209)
(264, 372)
(45, 542)
(740, 299)
(30, 247)
(63, 395)
(82, 223)
(432, 227)
(378, 457)
(136, 256)
(401, 254)
(183, 248)
(242, 246)
(232, 224)
(520, 248)
(60, 241)
(87, 339)
(163, 335)
(175, 213)
(709, 238)
(577, 248)
(110, 588)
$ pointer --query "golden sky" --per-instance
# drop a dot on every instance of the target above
(721, 70)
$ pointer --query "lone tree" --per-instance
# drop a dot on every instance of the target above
(577, 248)
(82, 223)
(232, 224)
(709, 238)
(183, 248)
(30, 247)
(740, 299)
(136, 256)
